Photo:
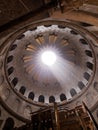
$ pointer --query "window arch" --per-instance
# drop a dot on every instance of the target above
(41, 98)
(47, 25)
(13, 47)
(61, 26)
(21, 36)
(22, 90)
(62, 97)
(83, 41)
(15, 81)
(51, 99)
(89, 65)
(88, 53)
(73, 92)
(10, 70)
(31, 95)
(9, 59)
(9, 124)
(73, 32)
(86, 76)
(81, 85)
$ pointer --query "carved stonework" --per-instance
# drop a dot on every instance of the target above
(7, 94)
(27, 111)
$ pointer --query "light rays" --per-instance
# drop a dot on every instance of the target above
(48, 58)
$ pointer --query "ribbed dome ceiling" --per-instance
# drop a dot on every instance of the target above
(66, 79)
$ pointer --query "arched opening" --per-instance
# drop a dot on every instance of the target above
(73, 32)
(9, 59)
(62, 97)
(88, 53)
(15, 81)
(86, 76)
(83, 41)
(89, 65)
(41, 98)
(31, 95)
(9, 124)
(81, 85)
(10, 70)
(73, 92)
(51, 99)
(13, 47)
(22, 90)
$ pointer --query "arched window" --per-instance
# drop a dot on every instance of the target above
(61, 26)
(81, 85)
(73, 92)
(62, 97)
(13, 47)
(88, 53)
(10, 70)
(41, 98)
(31, 95)
(9, 59)
(9, 124)
(47, 25)
(21, 36)
(15, 81)
(73, 32)
(89, 65)
(22, 90)
(83, 41)
(51, 99)
(86, 76)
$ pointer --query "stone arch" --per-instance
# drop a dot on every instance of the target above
(9, 124)
(9, 59)
(73, 92)
(15, 81)
(41, 98)
(51, 99)
(31, 95)
(13, 47)
(22, 90)
(63, 97)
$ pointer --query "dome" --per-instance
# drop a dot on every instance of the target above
(67, 78)
(38, 85)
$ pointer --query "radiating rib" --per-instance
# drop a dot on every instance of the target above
(64, 42)
(27, 58)
(30, 68)
(40, 40)
(31, 48)
(52, 38)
